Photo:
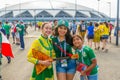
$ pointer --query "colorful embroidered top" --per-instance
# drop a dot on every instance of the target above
(42, 44)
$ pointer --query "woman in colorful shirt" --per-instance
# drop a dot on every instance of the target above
(86, 57)
(65, 68)
(43, 45)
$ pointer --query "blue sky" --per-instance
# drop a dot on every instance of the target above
(103, 4)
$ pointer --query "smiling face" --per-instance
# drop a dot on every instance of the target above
(62, 30)
(46, 29)
(77, 41)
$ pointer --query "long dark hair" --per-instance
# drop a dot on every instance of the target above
(96, 24)
(106, 24)
(68, 37)
(90, 24)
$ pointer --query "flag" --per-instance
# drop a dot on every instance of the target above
(6, 47)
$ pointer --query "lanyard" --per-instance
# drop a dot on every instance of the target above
(64, 48)
(82, 52)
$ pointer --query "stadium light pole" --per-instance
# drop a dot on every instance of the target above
(35, 18)
(109, 8)
(20, 9)
(75, 8)
(5, 11)
(51, 4)
(98, 5)
(98, 8)
(117, 22)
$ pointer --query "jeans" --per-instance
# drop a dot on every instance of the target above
(13, 36)
(8, 36)
(70, 69)
(90, 77)
(22, 42)
(8, 58)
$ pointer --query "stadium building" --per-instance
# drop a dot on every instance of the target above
(36, 11)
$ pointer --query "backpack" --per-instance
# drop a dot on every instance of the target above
(14, 29)
(111, 27)
(82, 27)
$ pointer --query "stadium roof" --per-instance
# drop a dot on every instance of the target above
(52, 9)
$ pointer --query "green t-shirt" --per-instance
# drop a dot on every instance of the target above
(21, 32)
(7, 28)
(57, 50)
(17, 25)
(86, 55)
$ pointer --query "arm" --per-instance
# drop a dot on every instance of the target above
(30, 57)
(77, 30)
(94, 63)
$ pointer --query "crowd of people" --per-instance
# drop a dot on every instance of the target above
(62, 40)
(17, 30)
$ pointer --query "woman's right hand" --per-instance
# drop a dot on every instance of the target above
(46, 62)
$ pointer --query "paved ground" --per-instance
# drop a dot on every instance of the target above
(21, 69)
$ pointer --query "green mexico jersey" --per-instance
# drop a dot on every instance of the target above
(86, 55)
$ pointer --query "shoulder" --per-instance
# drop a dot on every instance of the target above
(54, 39)
(87, 48)
(89, 51)
(36, 41)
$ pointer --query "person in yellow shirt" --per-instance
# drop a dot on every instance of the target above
(101, 29)
(104, 35)
(44, 45)
(96, 39)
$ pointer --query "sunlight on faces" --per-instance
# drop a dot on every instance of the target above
(62, 30)
(77, 42)
(47, 29)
